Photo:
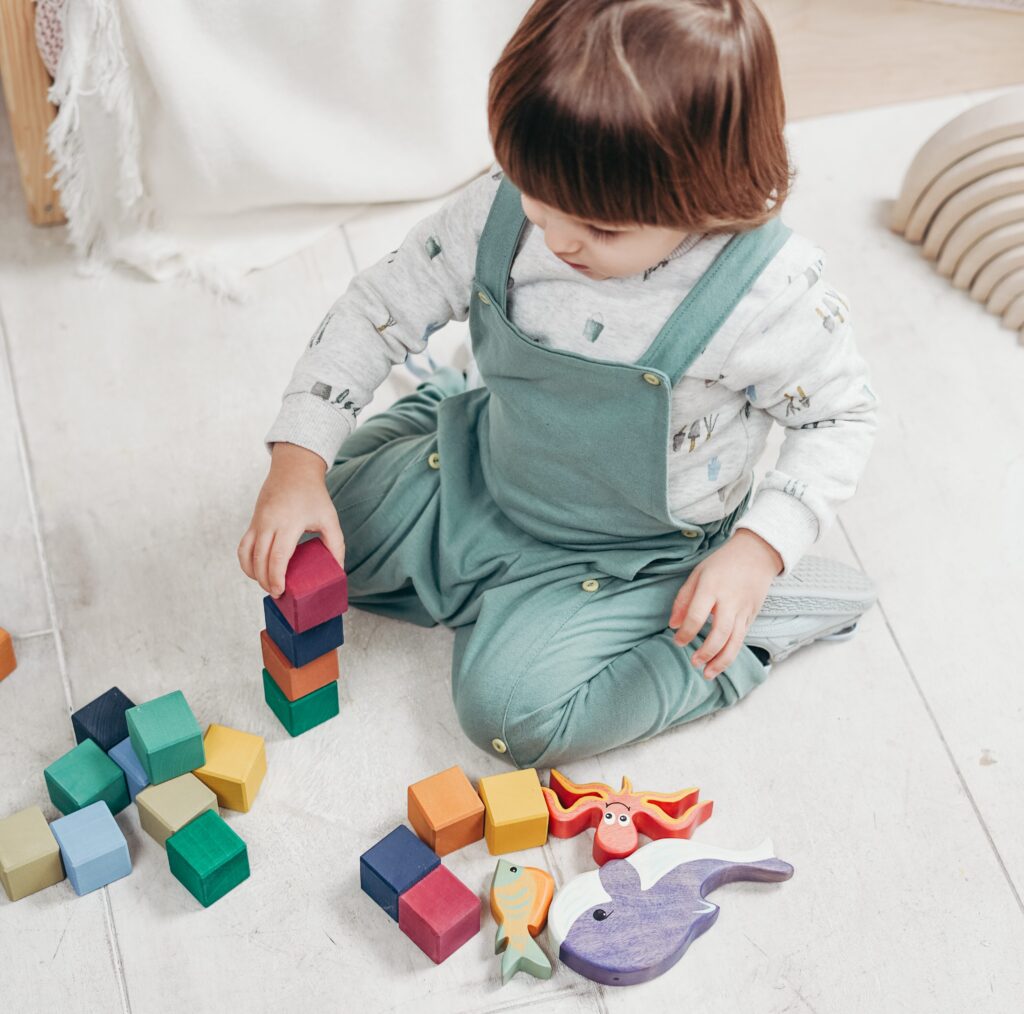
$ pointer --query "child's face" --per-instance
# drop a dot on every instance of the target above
(598, 250)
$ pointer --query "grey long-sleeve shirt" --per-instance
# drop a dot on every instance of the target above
(786, 354)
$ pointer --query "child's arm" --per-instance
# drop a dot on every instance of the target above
(798, 363)
(387, 313)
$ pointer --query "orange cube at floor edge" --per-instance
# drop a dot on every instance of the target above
(8, 662)
(235, 765)
(445, 811)
(297, 681)
(517, 816)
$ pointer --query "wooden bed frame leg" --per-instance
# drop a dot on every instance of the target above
(26, 83)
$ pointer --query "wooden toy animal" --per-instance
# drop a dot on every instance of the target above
(620, 817)
(520, 898)
(633, 919)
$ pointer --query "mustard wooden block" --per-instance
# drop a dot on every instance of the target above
(235, 765)
(517, 816)
(29, 854)
(445, 811)
(166, 808)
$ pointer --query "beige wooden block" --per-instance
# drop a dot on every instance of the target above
(981, 254)
(976, 128)
(235, 765)
(169, 806)
(1006, 211)
(1005, 183)
(29, 854)
(976, 166)
(994, 271)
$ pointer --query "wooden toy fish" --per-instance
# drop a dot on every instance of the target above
(520, 897)
(633, 919)
(620, 817)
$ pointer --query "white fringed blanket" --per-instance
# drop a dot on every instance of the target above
(206, 139)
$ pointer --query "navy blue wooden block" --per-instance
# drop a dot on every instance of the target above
(102, 720)
(310, 644)
(393, 865)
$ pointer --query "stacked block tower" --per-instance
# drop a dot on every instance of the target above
(304, 630)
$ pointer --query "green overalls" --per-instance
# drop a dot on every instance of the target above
(531, 516)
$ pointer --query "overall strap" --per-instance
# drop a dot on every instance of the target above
(699, 316)
(499, 240)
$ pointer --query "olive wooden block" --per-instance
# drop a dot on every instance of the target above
(92, 847)
(8, 661)
(307, 712)
(166, 808)
(83, 776)
(208, 858)
(102, 720)
(445, 811)
(29, 854)
(439, 914)
(235, 765)
(166, 737)
(315, 587)
(297, 681)
(517, 816)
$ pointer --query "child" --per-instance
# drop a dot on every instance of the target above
(639, 314)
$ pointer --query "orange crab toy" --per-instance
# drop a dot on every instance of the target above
(620, 817)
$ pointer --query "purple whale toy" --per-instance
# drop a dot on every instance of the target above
(633, 918)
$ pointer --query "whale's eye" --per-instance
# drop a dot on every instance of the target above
(513, 869)
(601, 914)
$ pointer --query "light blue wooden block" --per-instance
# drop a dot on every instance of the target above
(127, 760)
(93, 848)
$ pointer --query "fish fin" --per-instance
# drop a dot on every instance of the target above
(530, 959)
(500, 939)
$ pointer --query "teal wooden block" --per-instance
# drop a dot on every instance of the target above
(301, 715)
(208, 857)
(166, 737)
(83, 776)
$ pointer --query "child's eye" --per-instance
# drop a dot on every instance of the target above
(600, 233)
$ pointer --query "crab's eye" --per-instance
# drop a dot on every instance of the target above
(623, 818)
(600, 914)
(608, 816)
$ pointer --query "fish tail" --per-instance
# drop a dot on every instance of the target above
(524, 955)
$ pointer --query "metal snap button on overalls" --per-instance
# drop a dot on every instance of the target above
(498, 745)
(590, 585)
(483, 298)
(692, 533)
(652, 378)
(434, 461)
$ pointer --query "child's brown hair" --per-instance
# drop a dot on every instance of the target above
(659, 112)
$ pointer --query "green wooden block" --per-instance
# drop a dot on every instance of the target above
(29, 854)
(166, 737)
(305, 713)
(84, 776)
(208, 857)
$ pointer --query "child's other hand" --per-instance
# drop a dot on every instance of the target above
(731, 584)
(293, 500)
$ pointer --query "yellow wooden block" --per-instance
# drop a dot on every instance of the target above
(517, 816)
(235, 765)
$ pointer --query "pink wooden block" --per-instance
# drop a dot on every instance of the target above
(439, 914)
(315, 587)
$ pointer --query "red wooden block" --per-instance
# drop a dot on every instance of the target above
(439, 914)
(297, 681)
(7, 659)
(315, 587)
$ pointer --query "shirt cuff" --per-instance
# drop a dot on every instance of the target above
(785, 523)
(312, 423)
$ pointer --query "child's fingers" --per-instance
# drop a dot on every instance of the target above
(285, 541)
(330, 531)
(245, 553)
(724, 659)
(696, 616)
(718, 637)
(682, 600)
(261, 559)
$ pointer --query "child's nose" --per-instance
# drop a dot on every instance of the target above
(562, 241)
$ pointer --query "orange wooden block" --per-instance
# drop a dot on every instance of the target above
(446, 811)
(7, 659)
(297, 681)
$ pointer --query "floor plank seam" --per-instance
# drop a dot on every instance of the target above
(115, 951)
(938, 729)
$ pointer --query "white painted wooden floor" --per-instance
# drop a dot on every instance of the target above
(889, 769)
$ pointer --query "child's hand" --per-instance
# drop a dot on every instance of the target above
(293, 500)
(731, 583)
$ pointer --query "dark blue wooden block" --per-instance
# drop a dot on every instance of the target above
(102, 720)
(393, 865)
(310, 644)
